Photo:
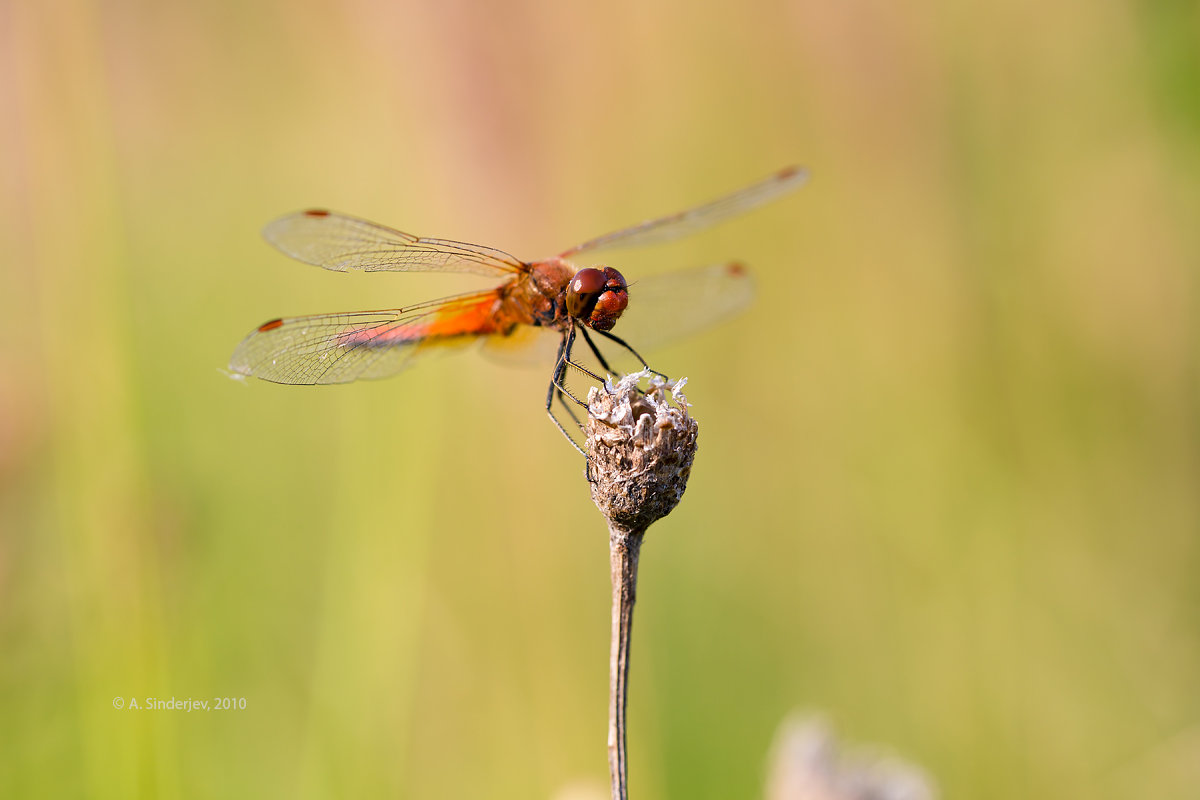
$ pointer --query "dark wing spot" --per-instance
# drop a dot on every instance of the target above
(787, 172)
(270, 326)
(736, 269)
(316, 212)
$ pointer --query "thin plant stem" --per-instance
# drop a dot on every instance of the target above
(640, 447)
(624, 547)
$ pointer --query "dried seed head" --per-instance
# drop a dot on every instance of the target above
(640, 448)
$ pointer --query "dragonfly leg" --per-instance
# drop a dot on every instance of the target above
(564, 360)
(560, 391)
(563, 431)
(556, 390)
(550, 391)
(567, 407)
(626, 345)
(585, 371)
(595, 350)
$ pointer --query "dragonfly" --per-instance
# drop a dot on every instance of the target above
(550, 295)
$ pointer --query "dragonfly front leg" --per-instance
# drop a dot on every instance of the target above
(596, 351)
(626, 345)
(556, 389)
(564, 361)
(567, 361)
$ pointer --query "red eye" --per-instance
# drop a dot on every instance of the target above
(614, 279)
(611, 303)
(583, 291)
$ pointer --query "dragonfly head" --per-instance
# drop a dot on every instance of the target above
(596, 297)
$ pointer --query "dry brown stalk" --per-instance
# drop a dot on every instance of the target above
(640, 448)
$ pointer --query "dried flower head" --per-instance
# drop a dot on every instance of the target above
(640, 447)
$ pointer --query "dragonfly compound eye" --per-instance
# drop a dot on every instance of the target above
(583, 292)
(611, 302)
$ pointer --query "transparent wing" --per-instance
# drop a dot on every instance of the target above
(664, 308)
(526, 346)
(341, 243)
(339, 348)
(695, 219)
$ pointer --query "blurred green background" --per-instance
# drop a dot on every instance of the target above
(947, 482)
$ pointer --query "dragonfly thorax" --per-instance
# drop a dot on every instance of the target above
(596, 297)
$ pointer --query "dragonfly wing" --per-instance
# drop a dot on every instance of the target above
(696, 219)
(338, 242)
(340, 348)
(664, 308)
(526, 346)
